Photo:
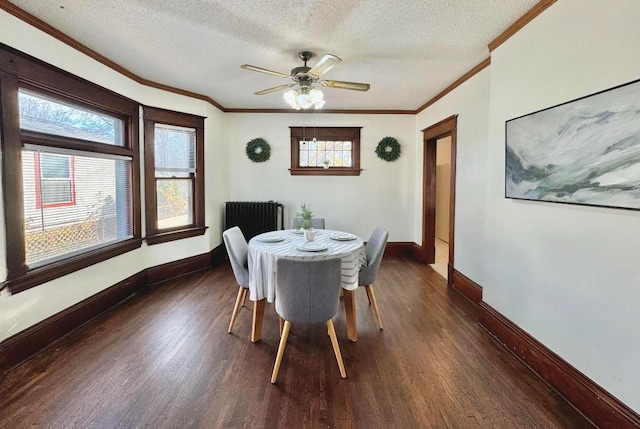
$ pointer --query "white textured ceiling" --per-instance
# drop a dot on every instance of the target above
(408, 50)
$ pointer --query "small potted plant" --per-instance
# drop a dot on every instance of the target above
(307, 222)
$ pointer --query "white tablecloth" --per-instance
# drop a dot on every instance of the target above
(263, 257)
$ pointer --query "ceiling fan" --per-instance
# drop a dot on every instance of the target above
(307, 95)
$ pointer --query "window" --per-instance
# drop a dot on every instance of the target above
(54, 180)
(70, 164)
(174, 175)
(48, 115)
(325, 151)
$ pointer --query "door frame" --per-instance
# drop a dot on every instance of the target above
(430, 136)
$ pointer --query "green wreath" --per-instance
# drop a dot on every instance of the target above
(388, 149)
(258, 150)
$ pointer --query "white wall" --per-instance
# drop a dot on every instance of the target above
(18, 312)
(470, 101)
(566, 274)
(381, 195)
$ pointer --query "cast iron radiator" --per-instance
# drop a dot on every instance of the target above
(253, 217)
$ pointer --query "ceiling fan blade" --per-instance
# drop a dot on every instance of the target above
(356, 86)
(274, 89)
(261, 70)
(325, 64)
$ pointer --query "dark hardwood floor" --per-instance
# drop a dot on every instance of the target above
(164, 359)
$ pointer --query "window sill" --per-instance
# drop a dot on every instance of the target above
(36, 276)
(163, 237)
(319, 171)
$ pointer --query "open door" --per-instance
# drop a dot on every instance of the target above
(430, 136)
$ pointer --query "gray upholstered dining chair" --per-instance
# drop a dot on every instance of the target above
(316, 222)
(238, 250)
(307, 291)
(374, 251)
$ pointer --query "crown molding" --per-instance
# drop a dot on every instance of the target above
(57, 34)
(314, 112)
(468, 75)
(524, 20)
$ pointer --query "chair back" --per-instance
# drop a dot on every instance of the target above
(316, 222)
(308, 291)
(238, 250)
(374, 250)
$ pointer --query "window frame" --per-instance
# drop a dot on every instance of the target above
(155, 235)
(351, 134)
(18, 70)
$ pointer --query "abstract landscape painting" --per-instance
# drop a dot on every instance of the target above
(585, 151)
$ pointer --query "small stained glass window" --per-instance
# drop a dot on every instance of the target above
(325, 151)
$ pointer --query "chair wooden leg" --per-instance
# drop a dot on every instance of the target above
(350, 311)
(366, 288)
(336, 348)
(245, 294)
(235, 308)
(258, 316)
(281, 347)
(374, 301)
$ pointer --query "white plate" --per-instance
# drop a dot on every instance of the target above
(297, 231)
(271, 239)
(342, 236)
(312, 247)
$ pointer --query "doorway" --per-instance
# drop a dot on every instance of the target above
(443, 200)
(439, 139)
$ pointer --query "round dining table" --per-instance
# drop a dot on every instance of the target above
(266, 248)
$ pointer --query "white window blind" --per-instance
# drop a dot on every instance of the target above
(175, 169)
(100, 212)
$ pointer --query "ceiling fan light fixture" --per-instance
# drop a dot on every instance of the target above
(290, 98)
(307, 95)
(304, 97)
(316, 95)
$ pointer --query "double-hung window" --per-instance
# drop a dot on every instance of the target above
(71, 172)
(54, 180)
(174, 175)
(325, 151)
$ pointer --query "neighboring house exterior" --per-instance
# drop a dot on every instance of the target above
(61, 204)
